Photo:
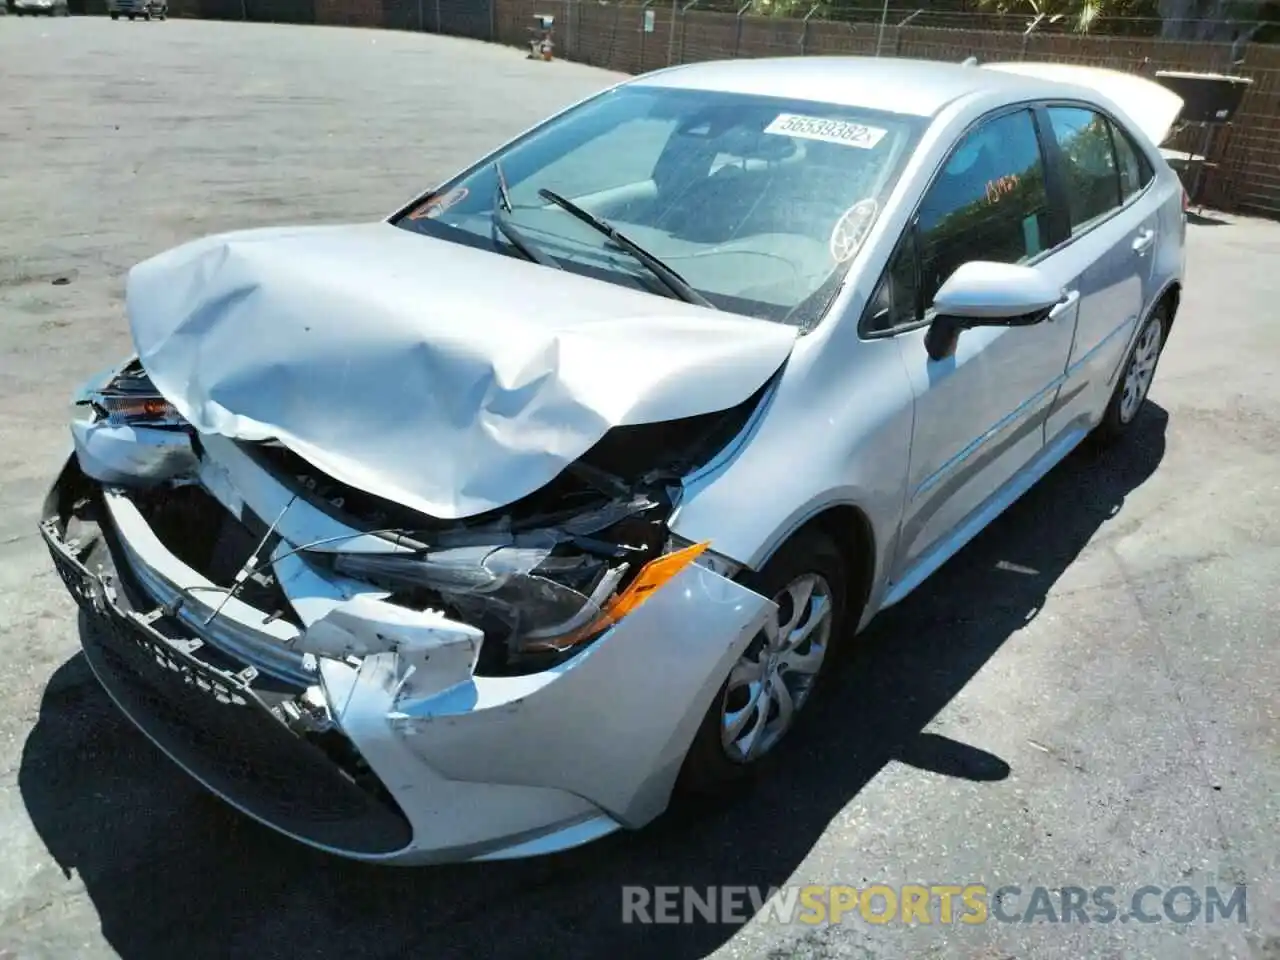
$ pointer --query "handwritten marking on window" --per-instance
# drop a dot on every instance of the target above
(1001, 187)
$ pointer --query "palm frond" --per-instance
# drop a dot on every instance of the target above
(1087, 15)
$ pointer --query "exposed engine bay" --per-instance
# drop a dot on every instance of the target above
(538, 579)
(359, 542)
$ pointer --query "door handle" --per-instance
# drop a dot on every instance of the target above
(1142, 242)
(1066, 303)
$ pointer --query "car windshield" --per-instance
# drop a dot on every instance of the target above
(753, 204)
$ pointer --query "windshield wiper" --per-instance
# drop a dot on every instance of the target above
(677, 284)
(504, 195)
(501, 208)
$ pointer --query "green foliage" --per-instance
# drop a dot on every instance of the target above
(1079, 15)
(790, 9)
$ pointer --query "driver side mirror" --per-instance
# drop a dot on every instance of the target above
(985, 294)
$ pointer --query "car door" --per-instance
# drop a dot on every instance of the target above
(979, 413)
(1113, 220)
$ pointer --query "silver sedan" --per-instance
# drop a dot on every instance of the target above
(488, 529)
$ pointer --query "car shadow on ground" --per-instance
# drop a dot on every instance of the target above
(171, 870)
(1204, 220)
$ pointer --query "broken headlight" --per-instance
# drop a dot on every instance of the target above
(541, 603)
(128, 397)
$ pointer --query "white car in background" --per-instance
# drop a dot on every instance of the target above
(479, 531)
(42, 8)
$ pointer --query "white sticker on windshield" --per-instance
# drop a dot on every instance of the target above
(829, 131)
(851, 229)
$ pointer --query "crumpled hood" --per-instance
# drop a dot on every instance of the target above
(442, 377)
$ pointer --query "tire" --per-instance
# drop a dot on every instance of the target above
(115, 16)
(717, 761)
(146, 16)
(131, 18)
(1134, 382)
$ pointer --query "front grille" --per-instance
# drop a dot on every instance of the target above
(73, 578)
(212, 724)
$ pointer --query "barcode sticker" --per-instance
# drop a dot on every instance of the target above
(829, 131)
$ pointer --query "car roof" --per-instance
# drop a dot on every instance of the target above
(915, 87)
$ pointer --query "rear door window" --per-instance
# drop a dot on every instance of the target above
(1089, 162)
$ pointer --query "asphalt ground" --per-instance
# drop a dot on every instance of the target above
(1086, 696)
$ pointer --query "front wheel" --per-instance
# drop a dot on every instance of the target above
(780, 670)
(1135, 380)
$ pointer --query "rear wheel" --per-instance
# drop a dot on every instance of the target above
(780, 670)
(1135, 380)
(115, 16)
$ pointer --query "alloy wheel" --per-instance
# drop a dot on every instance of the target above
(776, 674)
(1141, 369)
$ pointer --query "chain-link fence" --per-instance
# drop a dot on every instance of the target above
(636, 37)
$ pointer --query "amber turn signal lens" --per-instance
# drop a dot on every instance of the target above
(652, 575)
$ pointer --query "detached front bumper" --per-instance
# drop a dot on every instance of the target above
(466, 768)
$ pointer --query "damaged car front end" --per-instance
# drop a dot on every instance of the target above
(453, 536)
(387, 685)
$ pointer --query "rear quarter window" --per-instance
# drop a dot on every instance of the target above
(1135, 169)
